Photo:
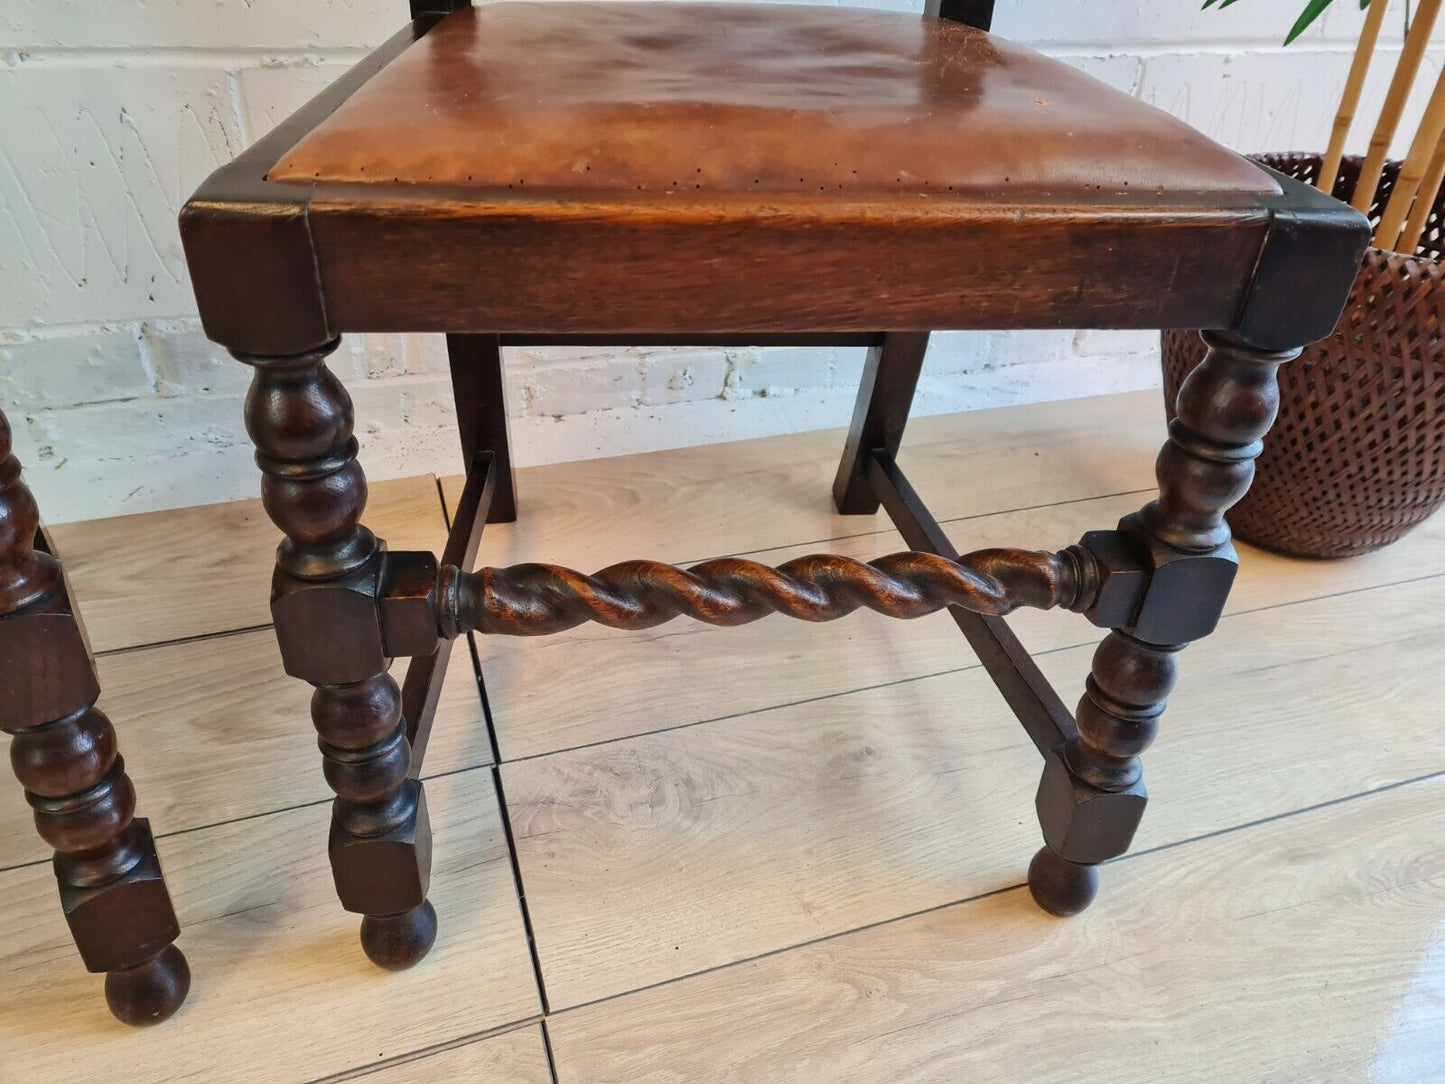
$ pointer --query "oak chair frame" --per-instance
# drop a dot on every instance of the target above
(1269, 274)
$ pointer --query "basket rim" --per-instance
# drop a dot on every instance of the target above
(1394, 258)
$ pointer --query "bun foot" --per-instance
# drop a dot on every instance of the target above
(396, 942)
(1059, 886)
(150, 992)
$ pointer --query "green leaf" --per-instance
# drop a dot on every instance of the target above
(1313, 10)
(1311, 13)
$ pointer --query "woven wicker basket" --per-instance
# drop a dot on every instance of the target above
(1357, 457)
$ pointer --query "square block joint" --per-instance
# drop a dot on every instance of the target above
(45, 665)
(1082, 823)
(126, 921)
(1123, 579)
(408, 604)
(329, 631)
(385, 874)
(1187, 592)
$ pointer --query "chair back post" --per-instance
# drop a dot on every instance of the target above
(437, 7)
(977, 13)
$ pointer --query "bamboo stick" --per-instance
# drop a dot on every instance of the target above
(1410, 56)
(1350, 101)
(1412, 171)
(1424, 201)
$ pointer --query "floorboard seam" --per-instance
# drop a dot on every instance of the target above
(1022, 885)
(506, 818)
(428, 1051)
(124, 648)
(547, 1049)
(216, 635)
(442, 500)
(242, 818)
(890, 529)
(1383, 788)
(504, 813)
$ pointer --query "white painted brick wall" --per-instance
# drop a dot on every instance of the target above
(111, 114)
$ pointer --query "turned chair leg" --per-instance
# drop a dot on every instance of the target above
(1092, 795)
(324, 600)
(481, 398)
(64, 754)
(890, 375)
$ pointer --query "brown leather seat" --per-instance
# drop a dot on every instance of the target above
(735, 98)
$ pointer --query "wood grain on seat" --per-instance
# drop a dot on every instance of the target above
(749, 97)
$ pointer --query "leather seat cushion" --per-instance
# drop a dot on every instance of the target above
(701, 97)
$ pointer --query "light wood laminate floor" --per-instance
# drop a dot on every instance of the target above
(784, 853)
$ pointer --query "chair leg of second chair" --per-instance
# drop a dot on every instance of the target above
(65, 754)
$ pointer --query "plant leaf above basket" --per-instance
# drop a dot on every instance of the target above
(1313, 10)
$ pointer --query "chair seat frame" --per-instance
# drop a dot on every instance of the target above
(282, 270)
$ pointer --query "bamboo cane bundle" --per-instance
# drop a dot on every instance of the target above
(1414, 169)
(1354, 84)
(1405, 71)
(1429, 193)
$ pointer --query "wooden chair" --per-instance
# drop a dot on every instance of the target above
(64, 753)
(687, 173)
